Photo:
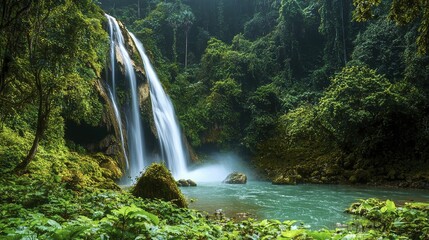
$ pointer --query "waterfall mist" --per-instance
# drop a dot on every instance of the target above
(217, 167)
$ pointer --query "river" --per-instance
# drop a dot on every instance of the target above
(317, 206)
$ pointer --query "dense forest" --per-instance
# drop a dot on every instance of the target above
(310, 91)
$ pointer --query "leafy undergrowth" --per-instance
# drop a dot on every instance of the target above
(385, 219)
(31, 209)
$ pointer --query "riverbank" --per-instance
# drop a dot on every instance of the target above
(323, 165)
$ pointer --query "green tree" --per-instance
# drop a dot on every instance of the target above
(223, 107)
(236, 61)
(381, 46)
(61, 42)
(402, 12)
(290, 24)
(363, 112)
(264, 107)
(179, 15)
(334, 25)
(187, 19)
(12, 45)
(263, 20)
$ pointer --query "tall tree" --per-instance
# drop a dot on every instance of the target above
(61, 42)
(289, 32)
(334, 26)
(180, 15)
(173, 20)
(12, 30)
(187, 20)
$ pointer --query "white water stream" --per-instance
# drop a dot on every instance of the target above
(167, 126)
(133, 123)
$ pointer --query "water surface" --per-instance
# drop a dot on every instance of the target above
(316, 205)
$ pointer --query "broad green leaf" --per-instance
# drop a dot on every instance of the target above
(293, 233)
(390, 206)
(322, 235)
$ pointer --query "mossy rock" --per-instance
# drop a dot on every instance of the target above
(186, 183)
(182, 183)
(360, 176)
(158, 183)
(284, 180)
(110, 168)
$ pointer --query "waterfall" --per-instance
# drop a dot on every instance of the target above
(112, 95)
(119, 121)
(133, 123)
(169, 134)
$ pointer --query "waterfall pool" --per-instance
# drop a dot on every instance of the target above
(315, 205)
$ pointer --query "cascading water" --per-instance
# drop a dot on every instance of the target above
(167, 126)
(112, 94)
(119, 121)
(134, 129)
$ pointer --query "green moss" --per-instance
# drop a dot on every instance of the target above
(158, 183)
(109, 166)
(57, 164)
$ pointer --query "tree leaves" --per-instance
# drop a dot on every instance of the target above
(402, 12)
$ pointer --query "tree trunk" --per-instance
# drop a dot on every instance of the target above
(3, 72)
(42, 118)
(344, 34)
(21, 168)
(174, 44)
(186, 49)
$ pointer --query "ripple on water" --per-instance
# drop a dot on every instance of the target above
(316, 205)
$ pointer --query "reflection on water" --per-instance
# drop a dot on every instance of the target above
(316, 205)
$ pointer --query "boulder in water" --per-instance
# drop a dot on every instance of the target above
(236, 178)
(158, 183)
(182, 183)
(186, 183)
(191, 183)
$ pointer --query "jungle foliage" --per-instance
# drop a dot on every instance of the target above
(51, 55)
(296, 82)
(242, 75)
(313, 90)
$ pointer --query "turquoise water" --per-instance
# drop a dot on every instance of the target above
(316, 205)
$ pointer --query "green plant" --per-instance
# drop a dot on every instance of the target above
(410, 220)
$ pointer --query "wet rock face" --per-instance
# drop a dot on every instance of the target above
(158, 183)
(236, 178)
